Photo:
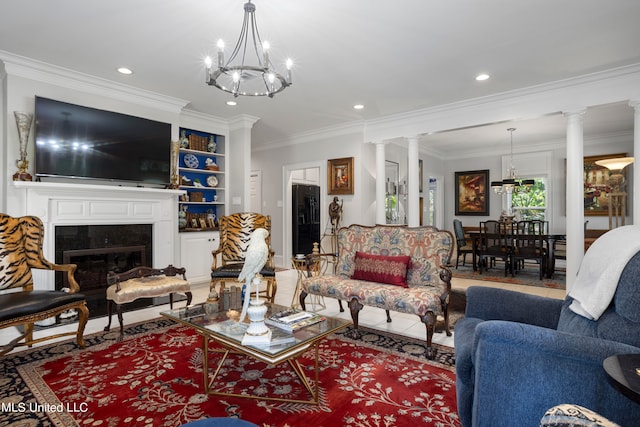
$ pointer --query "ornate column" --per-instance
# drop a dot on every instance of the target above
(575, 194)
(413, 195)
(380, 182)
(636, 167)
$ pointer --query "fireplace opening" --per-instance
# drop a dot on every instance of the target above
(99, 249)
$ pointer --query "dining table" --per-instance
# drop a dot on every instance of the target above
(549, 238)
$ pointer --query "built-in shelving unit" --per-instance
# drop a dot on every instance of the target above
(201, 174)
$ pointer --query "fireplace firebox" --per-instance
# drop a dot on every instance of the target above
(99, 249)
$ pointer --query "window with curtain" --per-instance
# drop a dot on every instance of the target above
(531, 204)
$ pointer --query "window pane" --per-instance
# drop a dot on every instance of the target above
(531, 204)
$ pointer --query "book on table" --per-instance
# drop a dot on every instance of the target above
(292, 320)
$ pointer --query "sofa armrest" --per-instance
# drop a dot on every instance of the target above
(500, 304)
(521, 370)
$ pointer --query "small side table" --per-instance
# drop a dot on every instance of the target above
(316, 301)
(623, 372)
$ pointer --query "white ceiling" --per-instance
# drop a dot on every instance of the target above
(391, 56)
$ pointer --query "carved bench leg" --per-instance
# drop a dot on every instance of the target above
(119, 311)
(340, 304)
(303, 295)
(109, 305)
(429, 320)
(189, 297)
(388, 316)
(355, 307)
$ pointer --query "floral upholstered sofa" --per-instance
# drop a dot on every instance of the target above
(395, 268)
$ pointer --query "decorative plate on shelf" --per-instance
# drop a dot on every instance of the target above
(191, 161)
(212, 181)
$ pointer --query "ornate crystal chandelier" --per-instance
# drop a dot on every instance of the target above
(249, 70)
(511, 184)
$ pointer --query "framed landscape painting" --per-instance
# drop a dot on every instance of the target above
(596, 201)
(471, 192)
(340, 176)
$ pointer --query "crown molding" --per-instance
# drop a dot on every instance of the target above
(52, 74)
(315, 135)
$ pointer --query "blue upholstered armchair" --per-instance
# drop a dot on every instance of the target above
(518, 355)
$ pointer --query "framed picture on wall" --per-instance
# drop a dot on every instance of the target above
(471, 192)
(340, 176)
(596, 187)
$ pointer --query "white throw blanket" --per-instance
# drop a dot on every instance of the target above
(600, 270)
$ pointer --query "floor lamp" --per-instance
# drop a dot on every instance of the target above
(617, 195)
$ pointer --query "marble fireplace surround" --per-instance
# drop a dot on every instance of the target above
(61, 204)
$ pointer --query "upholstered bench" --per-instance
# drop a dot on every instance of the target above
(395, 268)
(144, 282)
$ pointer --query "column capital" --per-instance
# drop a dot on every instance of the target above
(635, 103)
(574, 112)
(379, 142)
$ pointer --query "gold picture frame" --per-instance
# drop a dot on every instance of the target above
(340, 176)
(471, 192)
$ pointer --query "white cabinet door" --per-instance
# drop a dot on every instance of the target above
(195, 254)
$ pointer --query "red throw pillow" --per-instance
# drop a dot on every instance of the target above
(383, 269)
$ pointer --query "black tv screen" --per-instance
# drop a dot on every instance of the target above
(73, 141)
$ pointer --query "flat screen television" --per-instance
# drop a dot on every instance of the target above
(73, 141)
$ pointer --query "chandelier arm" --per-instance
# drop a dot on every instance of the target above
(257, 44)
(242, 39)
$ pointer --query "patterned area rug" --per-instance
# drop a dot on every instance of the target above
(528, 276)
(154, 378)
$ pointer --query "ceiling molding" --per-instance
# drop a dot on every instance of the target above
(63, 77)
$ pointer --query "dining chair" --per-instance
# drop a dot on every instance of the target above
(529, 240)
(494, 244)
(463, 245)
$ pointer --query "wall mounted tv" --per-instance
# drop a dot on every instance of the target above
(81, 142)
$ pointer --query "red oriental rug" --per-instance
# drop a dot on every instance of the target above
(154, 378)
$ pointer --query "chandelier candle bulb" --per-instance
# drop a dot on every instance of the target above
(289, 65)
(265, 48)
(220, 53)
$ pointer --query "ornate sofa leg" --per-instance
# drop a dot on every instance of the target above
(355, 307)
(429, 320)
(303, 295)
(388, 316)
(340, 304)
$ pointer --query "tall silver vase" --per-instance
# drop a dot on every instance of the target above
(23, 121)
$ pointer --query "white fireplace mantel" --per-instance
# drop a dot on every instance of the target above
(87, 204)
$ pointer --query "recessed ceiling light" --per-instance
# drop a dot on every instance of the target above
(482, 77)
(232, 103)
(358, 107)
(125, 70)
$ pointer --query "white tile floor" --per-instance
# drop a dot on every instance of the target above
(402, 324)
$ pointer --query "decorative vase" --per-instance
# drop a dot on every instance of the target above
(211, 146)
(23, 122)
(182, 217)
(174, 179)
(184, 141)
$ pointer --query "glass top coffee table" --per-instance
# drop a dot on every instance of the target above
(223, 329)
